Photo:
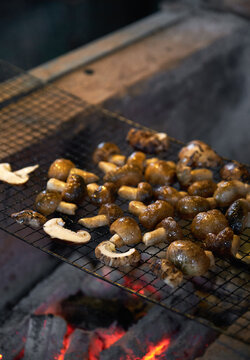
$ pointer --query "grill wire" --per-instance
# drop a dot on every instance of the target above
(46, 123)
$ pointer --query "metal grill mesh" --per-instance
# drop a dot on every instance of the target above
(48, 124)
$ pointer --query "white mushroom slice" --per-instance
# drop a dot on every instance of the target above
(66, 208)
(55, 185)
(18, 177)
(106, 253)
(106, 166)
(55, 229)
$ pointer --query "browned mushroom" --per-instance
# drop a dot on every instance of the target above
(151, 215)
(166, 271)
(166, 231)
(238, 215)
(102, 194)
(29, 217)
(74, 189)
(143, 192)
(87, 176)
(234, 171)
(186, 176)
(106, 166)
(160, 173)
(47, 202)
(107, 214)
(109, 152)
(137, 158)
(127, 230)
(203, 188)
(189, 206)
(148, 141)
(199, 154)
(189, 257)
(212, 221)
(225, 243)
(126, 175)
(60, 169)
(169, 194)
(229, 191)
(106, 253)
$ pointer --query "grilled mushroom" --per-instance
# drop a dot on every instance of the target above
(160, 173)
(72, 191)
(189, 206)
(148, 141)
(169, 194)
(229, 191)
(137, 158)
(54, 228)
(126, 175)
(106, 166)
(29, 217)
(238, 215)
(60, 169)
(18, 177)
(203, 188)
(107, 151)
(234, 171)
(166, 231)
(199, 154)
(186, 176)
(143, 192)
(107, 214)
(166, 271)
(47, 202)
(225, 243)
(212, 221)
(102, 194)
(127, 230)
(151, 215)
(87, 176)
(189, 257)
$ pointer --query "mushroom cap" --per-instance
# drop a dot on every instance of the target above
(137, 158)
(128, 230)
(60, 169)
(212, 221)
(104, 194)
(29, 217)
(46, 202)
(145, 191)
(220, 244)
(234, 171)
(203, 188)
(154, 213)
(104, 150)
(160, 173)
(168, 193)
(237, 215)
(126, 175)
(229, 191)
(148, 141)
(189, 206)
(172, 228)
(74, 189)
(112, 211)
(188, 257)
(198, 154)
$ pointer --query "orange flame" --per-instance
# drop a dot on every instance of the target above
(66, 342)
(140, 287)
(156, 350)
(1, 356)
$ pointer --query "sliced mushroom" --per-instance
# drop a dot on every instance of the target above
(102, 194)
(106, 253)
(48, 202)
(18, 177)
(189, 206)
(106, 166)
(186, 176)
(60, 169)
(238, 215)
(225, 243)
(148, 141)
(137, 158)
(203, 188)
(55, 229)
(29, 217)
(107, 214)
(160, 173)
(234, 171)
(109, 152)
(166, 271)
(229, 191)
(127, 229)
(87, 176)
(212, 221)
(166, 231)
(169, 194)
(151, 215)
(199, 154)
(143, 192)
(189, 257)
(126, 175)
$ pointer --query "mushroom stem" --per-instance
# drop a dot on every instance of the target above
(117, 240)
(106, 167)
(128, 192)
(136, 207)
(154, 237)
(117, 159)
(94, 221)
(66, 208)
(87, 176)
(210, 256)
(55, 185)
(235, 245)
(91, 188)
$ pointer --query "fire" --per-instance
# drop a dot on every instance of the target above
(139, 287)
(66, 342)
(1, 356)
(156, 350)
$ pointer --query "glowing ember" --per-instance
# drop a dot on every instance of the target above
(140, 287)
(20, 355)
(156, 350)
(1, 356)
(66, 342)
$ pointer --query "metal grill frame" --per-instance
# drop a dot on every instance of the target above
(41, 123)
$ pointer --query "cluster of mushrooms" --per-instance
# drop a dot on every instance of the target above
(146, 184)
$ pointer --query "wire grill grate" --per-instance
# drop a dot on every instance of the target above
(48, 124)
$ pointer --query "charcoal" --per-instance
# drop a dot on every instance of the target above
(78, 345)
(45, 337)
